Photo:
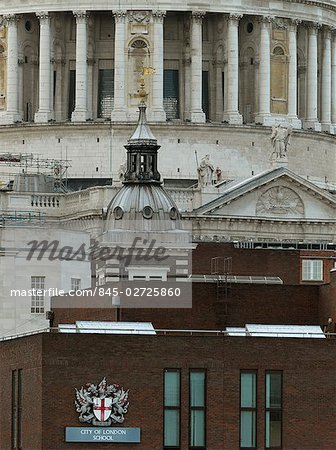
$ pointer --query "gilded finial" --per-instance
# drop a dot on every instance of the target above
(142, 90)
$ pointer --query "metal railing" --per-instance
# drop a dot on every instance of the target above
(170, 332)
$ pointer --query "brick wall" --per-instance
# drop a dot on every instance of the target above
(327, 304)
(247, 304)
(137, 363)
(261, 262)
(25, 354)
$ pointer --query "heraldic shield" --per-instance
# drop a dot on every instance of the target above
(102, 408)
(101, 405)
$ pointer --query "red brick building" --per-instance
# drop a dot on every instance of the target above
(187, 387)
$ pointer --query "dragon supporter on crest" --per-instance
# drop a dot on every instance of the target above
(102, 404)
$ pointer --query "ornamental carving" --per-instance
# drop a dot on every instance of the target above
(102, 404)
(234, 17)
(11, 19)
(43, 15)
(139, 16)
(313, 27)
(119, 15)
(265, 20)
(81, 16)
(158, 16)
(197, 16)
(279, 201)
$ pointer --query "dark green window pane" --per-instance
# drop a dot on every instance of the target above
(172, 389)
(273, 390)
(197, 385)
(247, 429)
(171, 428)
(197, 428)
(247, 390)
(273, 429)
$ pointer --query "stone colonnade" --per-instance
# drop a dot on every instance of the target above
(231, 113)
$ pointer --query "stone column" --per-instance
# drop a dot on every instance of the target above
(292, 74)
(333, 77)
(45, 112)
(196, 114)
(326, 83)
(119, 108)
(158, 113)
(311, 122)
(264, 93)
(80, 113)
(231, 113)
(12, 114)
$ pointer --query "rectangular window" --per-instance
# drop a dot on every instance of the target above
(172, 406)
(171, 93)
(312, 270)
(75, 284)
(37, 299)
(197, 404)
(72, 92)
(105, 93)
(248, 409)
(273, 418)
(205, 93)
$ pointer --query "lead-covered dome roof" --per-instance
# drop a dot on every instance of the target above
(142, 203)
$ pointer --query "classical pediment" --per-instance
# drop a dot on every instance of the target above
(275, 194)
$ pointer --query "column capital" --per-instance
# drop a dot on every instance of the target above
(293, 24)
(43, 16)
(265, 20)
(81, 16)
(158, 15)
(11, 19)
(198, 16)
(119, 15)
(234, 17)
(313, 27)
(327, 30)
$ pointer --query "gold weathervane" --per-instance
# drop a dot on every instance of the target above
(142, 91)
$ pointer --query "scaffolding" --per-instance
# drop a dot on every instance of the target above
(221, 272)
(32, 164)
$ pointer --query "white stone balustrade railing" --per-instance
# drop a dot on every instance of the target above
(91, 200)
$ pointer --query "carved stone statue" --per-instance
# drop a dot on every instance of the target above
(280, 140)
(205, 172)
(122, 171)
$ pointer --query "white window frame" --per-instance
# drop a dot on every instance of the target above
(76, 284)
(37, 305)
(147, 273)
(312, 270)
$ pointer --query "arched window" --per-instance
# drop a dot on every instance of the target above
(278, 51)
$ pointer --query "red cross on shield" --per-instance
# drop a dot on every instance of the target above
(102, 408)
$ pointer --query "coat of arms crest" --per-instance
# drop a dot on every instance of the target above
(102, 404)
